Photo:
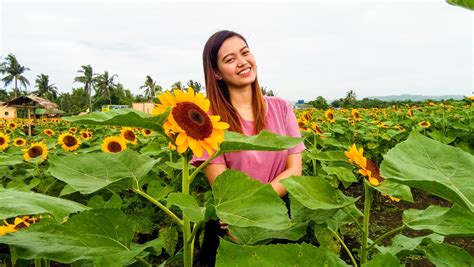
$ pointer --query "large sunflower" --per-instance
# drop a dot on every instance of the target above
(19, 142)
(114, 144)
(4, 140)
(36, 150)
(69, 142)
(189, 122)
(129, 135)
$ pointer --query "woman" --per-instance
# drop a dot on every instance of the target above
(232, 87)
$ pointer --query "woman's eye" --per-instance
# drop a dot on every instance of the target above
(246, 53)
(229, 60)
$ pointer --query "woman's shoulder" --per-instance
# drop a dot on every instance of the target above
(277, 102)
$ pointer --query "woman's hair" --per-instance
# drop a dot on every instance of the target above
(218, 93)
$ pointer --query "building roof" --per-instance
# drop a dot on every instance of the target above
(31, 101)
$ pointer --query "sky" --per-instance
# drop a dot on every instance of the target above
(302, 50)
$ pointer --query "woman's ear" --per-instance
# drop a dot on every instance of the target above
(217, 75)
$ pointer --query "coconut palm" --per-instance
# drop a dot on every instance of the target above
(14, 72)
(150, 87)
(44, 89)
(105, 85)
(195, 85)
(88, 80)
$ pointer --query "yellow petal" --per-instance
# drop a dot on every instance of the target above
(183, 147)
(195, 147)
(182, 137)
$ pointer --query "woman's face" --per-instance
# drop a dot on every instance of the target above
(235, 63)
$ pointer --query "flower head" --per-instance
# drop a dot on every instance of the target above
(4, 140)
(19, 142)
(48, 132)
(189, 123)
(129, 135)
(36, 150)
(329, 114)
(69, 142)
(424, 124)
(114, 144)
(355, 115)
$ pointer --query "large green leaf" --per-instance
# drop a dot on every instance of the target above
(394, 189)
(441, 220)
(230, 254)
(448, 255)
(429, 165)
(103, 236)
(469, 4)
(122, 117)
(265, 140)
(15, 203)
(316, 193)
(88, 173)
(243, 201)
(257, 235)
(385, 260)
(342, 173)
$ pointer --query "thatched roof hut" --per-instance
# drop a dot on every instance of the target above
(31, 103)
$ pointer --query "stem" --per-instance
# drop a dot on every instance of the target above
(345, 247)
(354, 218)
(193, 234)
(143, 261)
(196, 171)
(188, 246)
(161, 206)
(314, 160)
(391, 232)
(367, 205)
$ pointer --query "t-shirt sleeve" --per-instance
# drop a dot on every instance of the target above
(293, 130)
(195, 161)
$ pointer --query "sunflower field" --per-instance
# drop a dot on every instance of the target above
(380, 187)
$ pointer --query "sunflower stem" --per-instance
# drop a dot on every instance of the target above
(389, 233)
(345, 247)
(161, 206)
(196, 171)
(368, 197)
(188, 246)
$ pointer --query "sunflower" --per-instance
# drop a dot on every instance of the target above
(19, 142)
(329, 114)
(410, 113)
(18, 223)
(36, 150)
(48, 132)
(355, 115)
(68, 141)
(12, 125)
(190, 123)
(86, 135)
(307, 115)
(302, 124)
(129, 135)
(316, 128)
(114, 144)
(357, 156)
(73, 130)
(424, 124)
(146, 132)
(4, 139)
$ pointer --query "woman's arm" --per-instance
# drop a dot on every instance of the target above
(213, 170)
(293, 167)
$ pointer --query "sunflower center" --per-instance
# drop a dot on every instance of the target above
(70, 140)
(2, 141)
(129, 135)
(84, 135)
(193, 120)
(114, 147)
(35, 151)
(18, 142)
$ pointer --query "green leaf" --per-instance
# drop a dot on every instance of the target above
(188, 205)
(243, 201)
(343, 174)
(257, 235)
(97, 202)
(88, 173)
(157, 191)
(265, 140)
(385, 260)
(122, 117)
(316, 193)
(463, 3)
(402, 245)
(394, 189)
(326, 239)
(431, 166)
(328, 156)
(448, 255)
(445, 221)
(169, 236)
(10, 160)
(15, 203)
(439, 136)
(230, 254)
(103, 236)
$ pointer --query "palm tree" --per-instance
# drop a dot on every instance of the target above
(14, 71)
(195, 85)
(105, 85)
(88, 80)
(150, 87)
(44, 88)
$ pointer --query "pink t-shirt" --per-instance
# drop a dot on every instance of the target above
(263, 165)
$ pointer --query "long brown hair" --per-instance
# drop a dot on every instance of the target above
(218, 92)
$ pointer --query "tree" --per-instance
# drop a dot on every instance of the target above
(319, 103)
(88, 80)
(105, 85)
(44, 89)
(122, 95)
(74, 102)
(177, 85)
(14, 72)
(150, 87)
(267, 92)
(350, 99)
(195, 85)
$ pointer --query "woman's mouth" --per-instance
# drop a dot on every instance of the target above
(245, 72)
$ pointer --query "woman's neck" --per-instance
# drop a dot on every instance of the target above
(241, 98)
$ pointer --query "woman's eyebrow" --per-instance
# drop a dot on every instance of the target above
(230, 54)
